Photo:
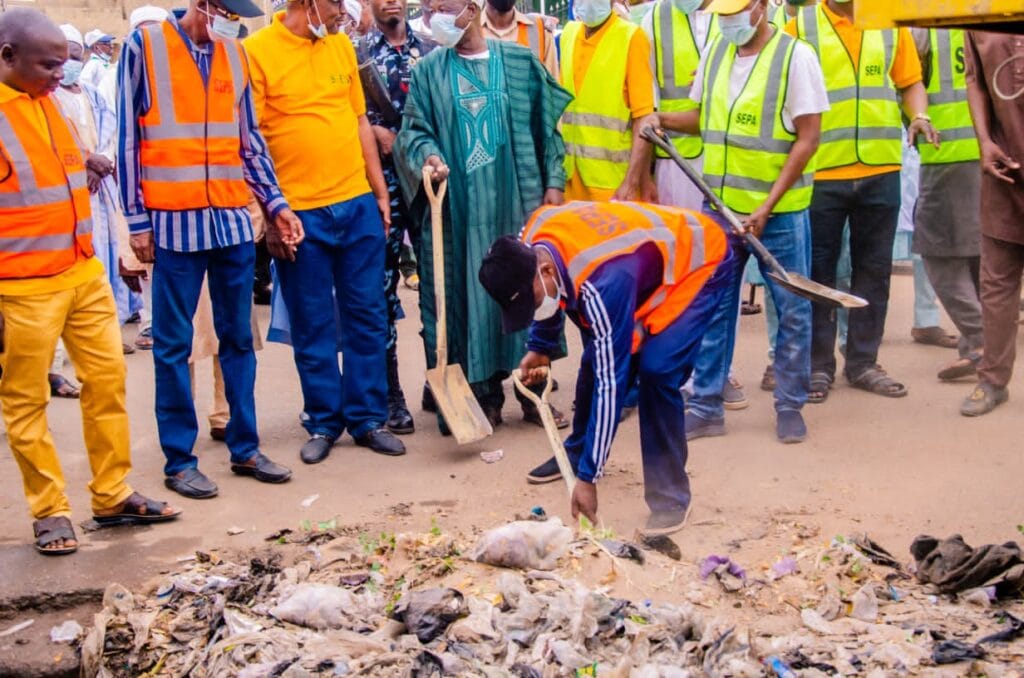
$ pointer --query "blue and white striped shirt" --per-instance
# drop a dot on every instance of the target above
(186, 230)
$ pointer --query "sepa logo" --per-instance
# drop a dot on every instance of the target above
(746, 119)
(223, 86)
(873, 69)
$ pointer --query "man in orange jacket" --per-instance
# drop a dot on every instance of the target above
(52, 286)
(642, 283)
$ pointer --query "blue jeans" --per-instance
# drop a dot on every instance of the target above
(662, 365)
(787, 237)
(177, 281)
(341, 261)
(872, 206)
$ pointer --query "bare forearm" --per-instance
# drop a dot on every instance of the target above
(687, 122)
(374, 173)
(915, 100)
(640, 155)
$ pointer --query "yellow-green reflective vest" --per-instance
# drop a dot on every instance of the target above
(596, 125)
(777, 15)
(676, 59)
(746, 144)
(947, 102)
(864, 123)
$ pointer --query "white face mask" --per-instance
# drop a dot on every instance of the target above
(222, 28)
(444, 30)
(736, 28)
(687, 6)
(593, 12)
(549, 307)
(320, 31)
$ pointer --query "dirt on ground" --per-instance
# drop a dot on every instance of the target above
(893, 469)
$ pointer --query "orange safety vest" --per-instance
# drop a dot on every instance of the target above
(190, 146)
(45, 219)
(533, 35)
(589, 234)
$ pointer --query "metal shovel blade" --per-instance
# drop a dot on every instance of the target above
(816, 292)
(457, 404)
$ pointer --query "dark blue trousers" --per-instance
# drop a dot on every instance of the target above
(340, 261)
(663, 364)
(177, 282)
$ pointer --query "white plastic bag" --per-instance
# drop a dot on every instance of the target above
(525, 544)
(315, 606)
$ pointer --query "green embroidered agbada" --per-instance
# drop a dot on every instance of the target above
(494, 122)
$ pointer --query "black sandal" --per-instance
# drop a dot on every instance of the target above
(137, 510)
(62, 388)
(875, 380)
(821, 382)
(53, 529)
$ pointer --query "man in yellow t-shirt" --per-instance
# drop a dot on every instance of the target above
(311, 110)
(52, 286)
(858, 180)
(605, 157)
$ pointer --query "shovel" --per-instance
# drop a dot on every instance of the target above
(550, 427)
(455, 400)
(795, 283)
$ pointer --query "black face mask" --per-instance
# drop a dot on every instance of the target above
(502, 5)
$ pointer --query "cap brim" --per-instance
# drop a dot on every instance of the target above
(243, 8)
(727, 6)
(518, 315)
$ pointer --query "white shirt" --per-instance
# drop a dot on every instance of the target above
(93, 71)
(805, 94)
(700, 26)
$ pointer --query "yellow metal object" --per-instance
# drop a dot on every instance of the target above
(929, 13)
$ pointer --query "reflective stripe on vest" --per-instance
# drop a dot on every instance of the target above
(676, 58)
(947, 102)
(45, 217)
(532, 35)
(596, 125)
(746, 144)
(864, 121)
(587, 235)
(190, 147)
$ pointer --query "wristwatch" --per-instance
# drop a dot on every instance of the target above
(922, 116)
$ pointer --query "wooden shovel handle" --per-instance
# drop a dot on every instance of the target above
(436, 200)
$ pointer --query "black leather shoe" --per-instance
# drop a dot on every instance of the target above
(262, 469)
(400, 420)
(493, 415)
(191, 483)
(316, 448)
(383, 441)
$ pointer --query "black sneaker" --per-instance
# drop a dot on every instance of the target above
(663, 523)
(547, 472)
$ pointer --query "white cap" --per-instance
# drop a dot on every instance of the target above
(354, 9)
(72, 34)
(145, 14)
(278, 5)
(94, 36)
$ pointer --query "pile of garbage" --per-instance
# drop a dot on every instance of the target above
(513, 602)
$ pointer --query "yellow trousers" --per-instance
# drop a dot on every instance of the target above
(86, 318)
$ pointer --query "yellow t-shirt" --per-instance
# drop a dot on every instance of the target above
(85, 268)
(308, 100)
(905, 71)
(637, 92)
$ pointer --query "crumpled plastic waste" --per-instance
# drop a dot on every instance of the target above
(731, 576)
(623, 549)
(784, 567)
(68, 632)
(953, 565)
(953, 651)
(524, 544)
(1009, 634)
(865, 604)
(317, 606)
(875, 553)
(429, 613)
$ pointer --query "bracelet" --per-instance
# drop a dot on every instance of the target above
(922, 116)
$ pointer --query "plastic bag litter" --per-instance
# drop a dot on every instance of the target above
(525, 544)
(953, 651)
(316, 606)
(865, 604)
(68, 632)
(429, 613)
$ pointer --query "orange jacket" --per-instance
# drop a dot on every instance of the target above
(45, 219)
(588, 234)
(533, 36)
(190, 147)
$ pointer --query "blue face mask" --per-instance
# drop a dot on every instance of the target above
(736, 28)
(444, 30)
(72, 71)
(687, 6)
(592, 12)
(222, 28)
(320, 30)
